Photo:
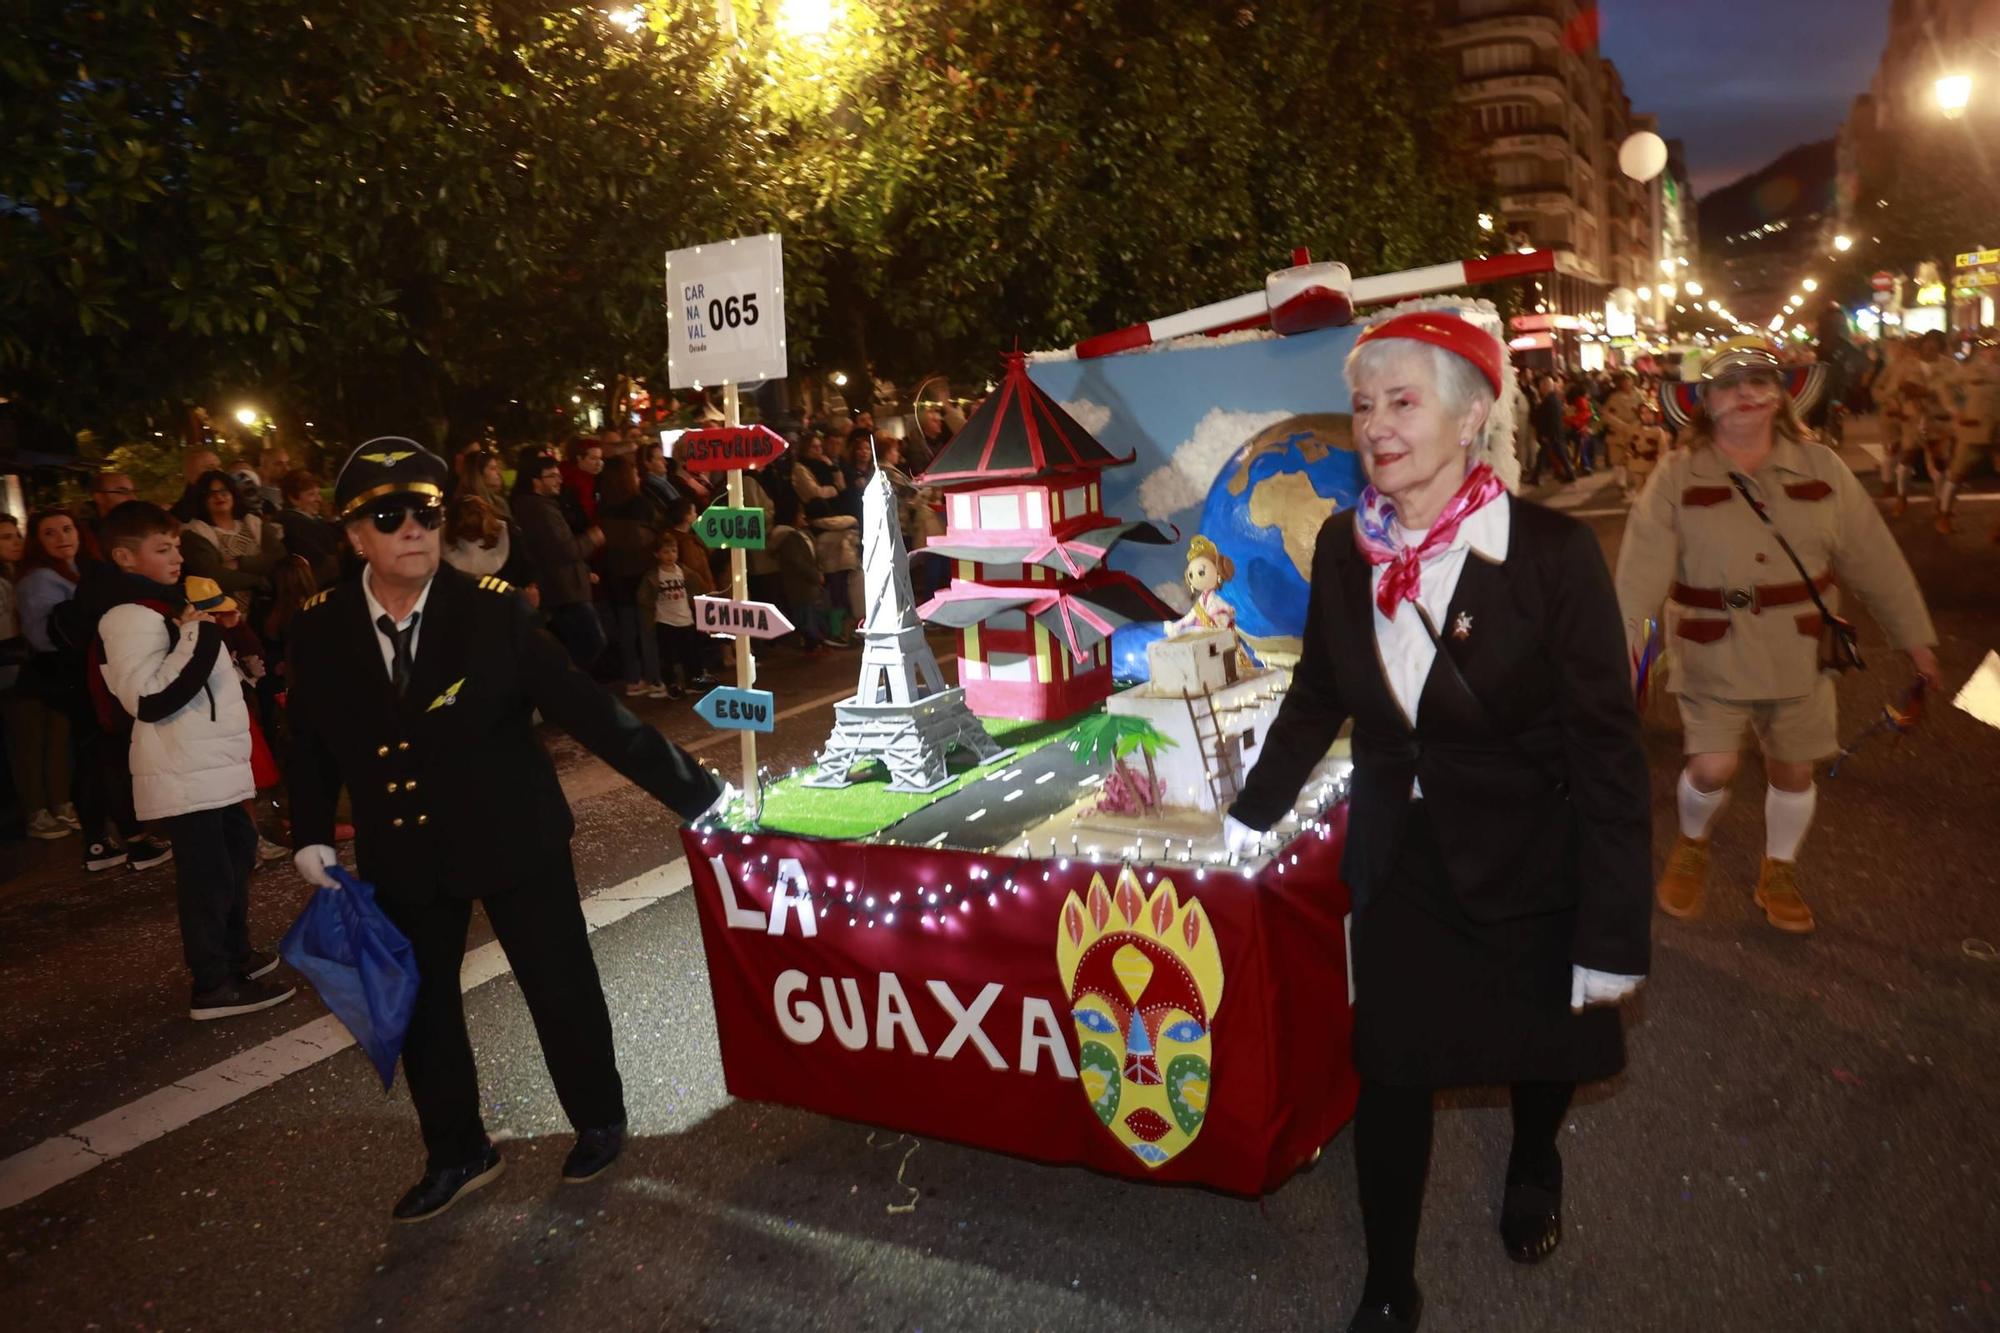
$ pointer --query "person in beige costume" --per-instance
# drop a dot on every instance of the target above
(1622, 425)
(1977, 386)
(1748, 628)
(1921, 384)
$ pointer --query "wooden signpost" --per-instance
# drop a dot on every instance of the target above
(726, 324)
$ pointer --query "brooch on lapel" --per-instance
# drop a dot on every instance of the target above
(448, 698)
(1461, 627)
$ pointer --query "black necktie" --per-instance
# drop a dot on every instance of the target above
(400, 662)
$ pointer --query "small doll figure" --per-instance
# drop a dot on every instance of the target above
(1207, 570)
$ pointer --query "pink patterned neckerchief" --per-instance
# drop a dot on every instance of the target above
(1379, 537)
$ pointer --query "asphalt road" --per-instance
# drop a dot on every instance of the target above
(1806, 1138)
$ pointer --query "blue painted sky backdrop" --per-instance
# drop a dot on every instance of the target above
(1740, 81)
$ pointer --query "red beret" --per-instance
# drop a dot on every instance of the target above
(1456, 335)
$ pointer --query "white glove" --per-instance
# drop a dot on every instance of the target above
(1588, 986)
(1238, 838)
(728, 796)
(313, 861)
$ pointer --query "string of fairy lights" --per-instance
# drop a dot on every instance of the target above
(991, 879)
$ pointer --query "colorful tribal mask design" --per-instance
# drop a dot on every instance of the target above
(1145, 979)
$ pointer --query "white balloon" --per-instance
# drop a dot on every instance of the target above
(1643, 156)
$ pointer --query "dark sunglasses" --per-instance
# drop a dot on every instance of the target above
(388, 516)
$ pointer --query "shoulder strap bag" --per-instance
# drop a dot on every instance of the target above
(1839, 645)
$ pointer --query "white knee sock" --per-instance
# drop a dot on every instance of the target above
(1787, 816)
(1947, 488)
(1698, 808)
(1903, 480)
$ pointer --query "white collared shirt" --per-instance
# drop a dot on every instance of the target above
(1404, 645)
(375, 613)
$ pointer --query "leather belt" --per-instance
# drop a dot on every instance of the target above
(1752, 599)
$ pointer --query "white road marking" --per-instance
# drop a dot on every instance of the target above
(1016, 794)
(1043, 778)
(976, 815)
(95, 1142)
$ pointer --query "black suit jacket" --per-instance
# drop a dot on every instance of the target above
(1537, 790)
(452, 790)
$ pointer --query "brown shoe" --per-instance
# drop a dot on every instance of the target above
(1943, 524)
(1686, 875)
(1778, 894)
(1899, 506)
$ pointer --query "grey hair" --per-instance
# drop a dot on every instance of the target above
(1457, 380)
(1460, 386)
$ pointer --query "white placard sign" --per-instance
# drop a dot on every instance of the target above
(726, 312)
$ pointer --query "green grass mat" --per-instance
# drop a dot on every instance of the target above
(867, 807)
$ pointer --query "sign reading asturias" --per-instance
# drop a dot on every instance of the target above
(721, 528)
(723, 448)
(738, 710)
(757, 620)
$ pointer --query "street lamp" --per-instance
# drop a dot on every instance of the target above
(1645, 293)
(806, 18)
(248, 416)
(1954, 93)
(1843, 243)
(1693, 287)
(1810, 284)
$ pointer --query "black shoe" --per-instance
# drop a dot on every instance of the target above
(676, 692)
(1531, 1213)
(704, 681)
(1387, 1316)
(439, 1190)
(257, 963)
(595, 1150)
(102, 856)
(145, 853)
(241, 996)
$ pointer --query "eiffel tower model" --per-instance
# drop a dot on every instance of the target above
(901, 712)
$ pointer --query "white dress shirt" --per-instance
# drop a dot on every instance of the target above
(1403, 644)
(375, 613)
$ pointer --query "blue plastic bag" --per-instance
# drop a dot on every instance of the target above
(361, 965)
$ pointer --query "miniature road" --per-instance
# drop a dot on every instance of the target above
(995, 810)
(1804, 1141)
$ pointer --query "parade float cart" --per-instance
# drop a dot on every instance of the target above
(998, 911)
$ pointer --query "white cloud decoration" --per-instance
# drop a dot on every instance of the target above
(1093, 417)
(1183, 481)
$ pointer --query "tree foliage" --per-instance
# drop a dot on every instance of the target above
(386, 212)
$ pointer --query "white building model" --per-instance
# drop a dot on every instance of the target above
(1216, 716)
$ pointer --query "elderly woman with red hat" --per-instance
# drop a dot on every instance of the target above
(1498, 851)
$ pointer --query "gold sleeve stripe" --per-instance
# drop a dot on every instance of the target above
(314, 600)
(492, 584)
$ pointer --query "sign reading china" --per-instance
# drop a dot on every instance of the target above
(756, 620)
(726, 312)
(1160, 1022)
(723, 448)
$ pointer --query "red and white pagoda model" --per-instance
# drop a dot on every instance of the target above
(1024, 526)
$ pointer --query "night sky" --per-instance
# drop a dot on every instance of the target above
(1740, 81)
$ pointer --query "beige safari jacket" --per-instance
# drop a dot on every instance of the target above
(1690, 528)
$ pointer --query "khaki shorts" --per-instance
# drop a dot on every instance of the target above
(1791, 731)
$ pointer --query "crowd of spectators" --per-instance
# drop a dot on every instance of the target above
(596, 530)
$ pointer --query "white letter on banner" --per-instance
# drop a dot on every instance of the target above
(1039, 1033)
(851, 1033)
(965, 1022)
(800, 1021)
(792, 890)
(892, 1011)
(736, 918)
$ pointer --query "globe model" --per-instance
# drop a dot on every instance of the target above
(1264, 511)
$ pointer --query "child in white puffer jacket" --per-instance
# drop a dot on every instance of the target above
(165, 664)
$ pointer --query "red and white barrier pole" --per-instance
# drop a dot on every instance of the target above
(1254, 310)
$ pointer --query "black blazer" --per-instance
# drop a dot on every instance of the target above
(452, 790)
(1538, 791)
